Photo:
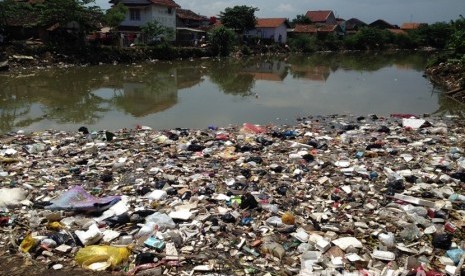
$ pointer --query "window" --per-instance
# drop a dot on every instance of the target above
(170, 10)
(134, 14)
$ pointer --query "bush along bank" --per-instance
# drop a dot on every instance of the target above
(449, 74)
(17, 56)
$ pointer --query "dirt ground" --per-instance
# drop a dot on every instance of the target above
(17, 265)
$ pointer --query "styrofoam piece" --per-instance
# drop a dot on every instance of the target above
(156, 195)
(323, 245)
(301, 235)
(412, 123)
(414, 200)
(353, 257)
(384, 255)
(181, 214)
(346, 242)
(91, 236)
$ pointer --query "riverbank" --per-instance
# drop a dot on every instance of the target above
(27, 56)
(23, 56)
(326, 195)
(451, 77)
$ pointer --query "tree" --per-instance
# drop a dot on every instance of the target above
(222, 41)
(63, 12)
(369, 38)
(240, 18)
(116, 15)
(435, 35)
(154, 32)
(301, 19)
(11, 10)
(457, 38)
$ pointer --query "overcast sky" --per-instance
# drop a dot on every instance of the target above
(393, 11)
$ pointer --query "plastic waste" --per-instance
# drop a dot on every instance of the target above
(274, 221)
(251, 128)
(387, 239)
(273, 248)
(163, 221)
(155, 243)
(77, 199)
(91, 236)
(28, 243)
(288, 218)
(442, 240)
(455, 254)
(11, 197)
(101, 257)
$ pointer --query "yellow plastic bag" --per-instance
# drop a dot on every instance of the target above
(28, 243)
(102, 253)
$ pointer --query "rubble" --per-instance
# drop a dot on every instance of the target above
(336, 195)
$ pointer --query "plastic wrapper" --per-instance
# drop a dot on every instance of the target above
(27, 244)
(102, 254)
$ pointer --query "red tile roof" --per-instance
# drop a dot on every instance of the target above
(270, 22)
(168, 3)
(318, 16)
(300, 28)
(189, 15)
(411, 26)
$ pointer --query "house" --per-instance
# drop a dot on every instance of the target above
(342, 23)
(353, 25)
(322, 17)
(381, 24)
(190, 27)
(318, 30)
(412, 26)
(274, 29)
(142, 12)
(189, 19)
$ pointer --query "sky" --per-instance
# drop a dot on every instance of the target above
(392, 11)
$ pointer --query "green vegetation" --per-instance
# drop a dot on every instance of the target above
(115, 15)
(155, 33)
(240, 18)
(301, 19)
(304, 44)
(222, 41)
(69, 21)
(457, 38)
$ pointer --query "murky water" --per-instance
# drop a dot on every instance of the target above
(200, 93)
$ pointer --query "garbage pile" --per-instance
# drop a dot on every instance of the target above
(335, 195)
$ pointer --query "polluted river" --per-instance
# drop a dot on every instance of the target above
(302, 165)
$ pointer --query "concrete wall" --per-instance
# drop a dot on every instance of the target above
(267, 33)
(151, 13)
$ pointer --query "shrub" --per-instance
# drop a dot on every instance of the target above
(303, 43)
(222, 41)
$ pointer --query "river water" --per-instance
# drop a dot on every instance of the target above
(199, 93)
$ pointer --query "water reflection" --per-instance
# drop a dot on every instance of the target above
(267, 70)
(230, 78)
(189, 93)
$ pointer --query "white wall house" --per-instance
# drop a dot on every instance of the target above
(270, 28)
(142, 12)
